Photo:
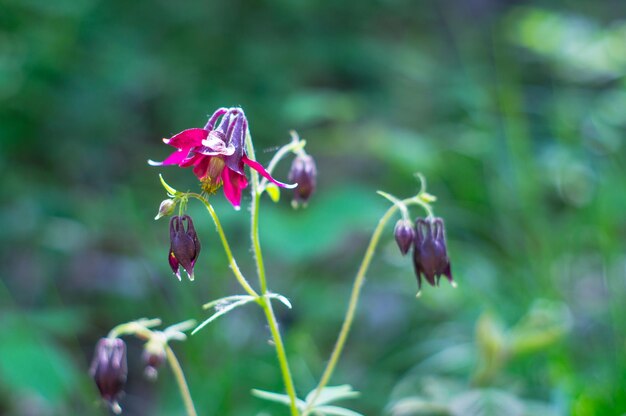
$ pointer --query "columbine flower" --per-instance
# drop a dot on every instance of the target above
(184, 245)
(430, 256)
(217, 154)
(404, 234)
(109, 370)
(303, 172)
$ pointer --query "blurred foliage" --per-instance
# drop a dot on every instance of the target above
(514, 112)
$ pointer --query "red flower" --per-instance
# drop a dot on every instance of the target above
(217, 154)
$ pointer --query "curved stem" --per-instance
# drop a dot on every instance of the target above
(354, 299)
(180, 380)
(231, 260)
(264, 302)
(354, 296)
(296, 145)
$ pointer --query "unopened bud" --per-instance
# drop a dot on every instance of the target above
(166, 208)
(404, 234)
(303, 172)
(430, 255)
(153, 357)
(184, 245)
(109, 370)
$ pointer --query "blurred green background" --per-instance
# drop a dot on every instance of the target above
(514, 111)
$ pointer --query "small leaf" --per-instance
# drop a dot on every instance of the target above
(171, 191)
(277, 397)
(335, 411)
(487, 402)
(222, 311)
(281, 298)
(273, 191)
(225, 301)
(415, 406)
(332, 394)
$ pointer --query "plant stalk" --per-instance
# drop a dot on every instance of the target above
(265, 303)
(180, 380)
(354, 295)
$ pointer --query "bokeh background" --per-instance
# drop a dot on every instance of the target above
(514, 111)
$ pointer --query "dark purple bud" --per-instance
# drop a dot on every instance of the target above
(109, 370)
(404, 234)
(184, 245)
(430, 255)
(153, 356)
(303, 172)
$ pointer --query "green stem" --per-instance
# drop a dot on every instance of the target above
(231, 260)
(180, 380)
(265, 303)
(354, 296)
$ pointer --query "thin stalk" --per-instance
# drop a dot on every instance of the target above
(231, 259)
(180, 380)
(265, 303)
(354, 296)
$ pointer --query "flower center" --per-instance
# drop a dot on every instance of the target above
(213, 179)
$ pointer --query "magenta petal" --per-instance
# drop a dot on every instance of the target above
(259, 168)
(187, 139)
(201, 166)
(192, 160)
(174, 159)
(233, 184)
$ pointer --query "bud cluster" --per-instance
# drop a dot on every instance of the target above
(109, 367)
(430, 255)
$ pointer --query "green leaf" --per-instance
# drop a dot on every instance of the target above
(335, 411)
(222, 310)
(488, 402)
(171, 191)
(332, 394)
(415, 406)
(277, 397)
(34, 363)
(281, 298)
(225, 301)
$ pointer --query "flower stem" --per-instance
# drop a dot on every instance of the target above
(180, 380)
(231, 260)
(354, 296)
(265, 302)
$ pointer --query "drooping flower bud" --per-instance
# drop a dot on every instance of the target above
(404, 234)
(430, 255)
(153, 356)
(304, 172)
(166, 208)
(184, 245)
(109, 370)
